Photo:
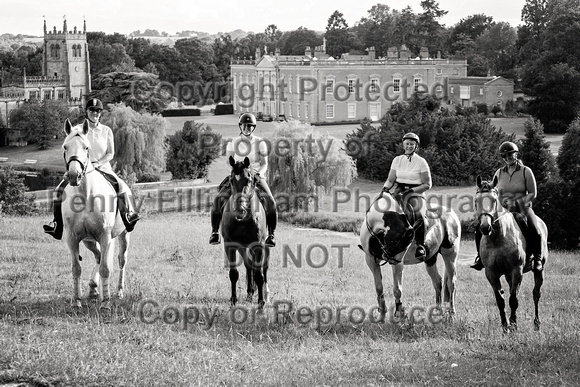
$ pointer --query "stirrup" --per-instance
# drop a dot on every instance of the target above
(214, 239)
(271, 241)
(477, 265)
(421, 256)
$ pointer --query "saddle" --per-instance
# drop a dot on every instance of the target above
(111, 179)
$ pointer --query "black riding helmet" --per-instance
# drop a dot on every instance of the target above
(508, 147)
(247, 120)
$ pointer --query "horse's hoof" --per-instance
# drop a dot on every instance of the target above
(77, 304)
(261, 306)
(120, 294)
(249, 298)
(93, 295)
(537, 325)
(106, 305)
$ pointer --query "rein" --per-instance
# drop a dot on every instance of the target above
(386, 249)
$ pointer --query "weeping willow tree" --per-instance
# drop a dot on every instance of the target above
(139, 141)
(305, 164)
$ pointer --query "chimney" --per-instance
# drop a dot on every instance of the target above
(393, 53)
(258, 54)
(307, 52)
(372, 53)
(424, 53)
(277, 53)
(404, 53)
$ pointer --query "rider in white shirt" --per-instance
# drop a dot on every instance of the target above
(411, 177)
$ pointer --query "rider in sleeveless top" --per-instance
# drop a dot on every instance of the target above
(102, 150)
(411, 177)
(517, 188)
(253, 147)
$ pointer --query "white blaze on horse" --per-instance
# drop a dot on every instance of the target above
(386, 235)
(503, 250)
(90, 214)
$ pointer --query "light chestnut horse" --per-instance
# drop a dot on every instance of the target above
(90, 215)
(387, 236)
(503, 250)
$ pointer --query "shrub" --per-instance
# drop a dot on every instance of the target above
(482, 108)
(149, 178)
(456, 146)
(13, 200)
(191, 151)
(313, 167)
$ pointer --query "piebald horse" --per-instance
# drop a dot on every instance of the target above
(90, 215)
(244, 230)
(503, 250)
(386, 235)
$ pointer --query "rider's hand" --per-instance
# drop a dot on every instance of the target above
(408, 192)
(385, 190)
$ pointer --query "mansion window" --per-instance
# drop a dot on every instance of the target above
(397, 85)
(329, 86)
(329, 111)
(351, 110)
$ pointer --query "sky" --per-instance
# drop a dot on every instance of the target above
(126, 16)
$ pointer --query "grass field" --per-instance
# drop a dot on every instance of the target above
(47, 342)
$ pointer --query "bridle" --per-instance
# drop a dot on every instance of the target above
(84, 165)
(491, 215)
(390, 250)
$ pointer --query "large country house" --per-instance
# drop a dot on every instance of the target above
(317, 88)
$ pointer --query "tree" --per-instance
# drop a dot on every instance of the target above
(428, 27)
(337, 35)
(295, 42)
(139, 90)
(467, 31)
(497, 45)
(13, 200)
(568, 157)
(139, 140)
(535, 151)
(191, 151)
(377, 29)
(305, 172)
(40, 122)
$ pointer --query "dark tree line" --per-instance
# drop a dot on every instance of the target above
(542, 56)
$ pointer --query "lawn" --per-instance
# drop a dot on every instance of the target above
(47, 342)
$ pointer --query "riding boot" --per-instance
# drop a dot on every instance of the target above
(216, 218)
(55, 228)
(421, 251)
(128, 215)
(271, 221)
(477, 265)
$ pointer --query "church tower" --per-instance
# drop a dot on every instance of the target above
(66, 62)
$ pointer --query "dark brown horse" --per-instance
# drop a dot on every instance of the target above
(503, 250)
(244, 230)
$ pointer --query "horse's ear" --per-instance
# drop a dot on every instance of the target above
(232, 161)
(494, 182)
(67, 127)
(478, 181)
(85, 127)
(246, 162)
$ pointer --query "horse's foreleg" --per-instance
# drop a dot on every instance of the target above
(378, 278)
(398, 289)
(95, 278)
(76, 271)
(257, 254)
(450, 277)
(230, 252)
(122, 257)
(249, 266)
(514, 281)
(497, 291)
(107, 252)
(265, 267)
(437, 282)
(538, 281)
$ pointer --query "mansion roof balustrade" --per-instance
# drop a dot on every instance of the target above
(346, 63)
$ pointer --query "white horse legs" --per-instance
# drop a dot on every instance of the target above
(123, 250)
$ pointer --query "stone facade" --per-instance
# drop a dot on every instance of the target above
(471, 91)
(317, 88)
